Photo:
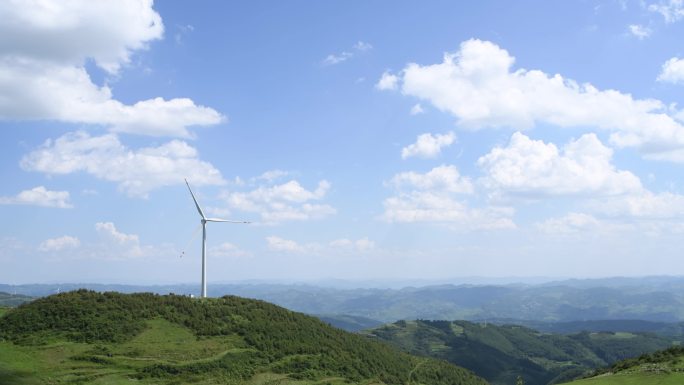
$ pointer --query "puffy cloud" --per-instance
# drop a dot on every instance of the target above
(60, 243)
(441, 178)
(478, 86)
(527, 166)
(284, 202)
(136, 171)
(639, 31)
(362, 46)
(69, 32)
(672, 71)
(428, 146)
(672, 10)
(272, 175)
(43, 50)
(387, 81)
(39, 196)
(431, 197)
(114, 244)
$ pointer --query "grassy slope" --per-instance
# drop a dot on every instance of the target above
(660, 368)
(513, 350)
(86, 337)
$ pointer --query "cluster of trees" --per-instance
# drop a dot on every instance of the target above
(279, 340)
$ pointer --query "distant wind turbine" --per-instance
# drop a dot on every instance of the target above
(204, 238)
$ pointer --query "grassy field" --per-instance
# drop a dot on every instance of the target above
(162, 342)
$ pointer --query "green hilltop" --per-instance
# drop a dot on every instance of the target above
(502, 353)
(111, 338)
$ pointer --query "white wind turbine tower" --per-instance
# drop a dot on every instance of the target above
(204, 238)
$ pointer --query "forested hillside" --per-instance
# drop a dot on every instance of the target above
(85, 336)
(502, 353)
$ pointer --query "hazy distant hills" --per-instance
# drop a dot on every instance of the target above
(106, 338)
(656, 299)
(502, 353)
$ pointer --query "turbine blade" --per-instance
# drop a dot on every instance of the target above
(199, 209)
(223, 220)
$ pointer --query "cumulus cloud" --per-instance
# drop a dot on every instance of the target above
(442, 178)
(118, 245)
(428, 145)
(387, 81)
(288, 201)
(672, 10)
(136, 171)
(433, 197)
(39, 196)
(478, 86)
(60, 243)
(583, 166)
(639, 31)
(672, 71)
(43, 50)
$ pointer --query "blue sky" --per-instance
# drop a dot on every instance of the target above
(364, 140)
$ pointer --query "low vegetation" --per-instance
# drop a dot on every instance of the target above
(665, 367)
(108, 338)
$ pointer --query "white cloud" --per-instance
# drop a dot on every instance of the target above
(136, 171)
(359, 245)
(478, 87)
(359, 47)
(639, 31)
(417, 109)
(571, 223)
(284, 202)
(529, 166)
(430, 197)
(273, 175)
(43, 50)
(673, 71)
(342, 246)
(642, 205)
(428, 146)
(333, 59)
(285, 245)
(39, 196)
(117, 245)
(60, 243)
(441, 178)
(387, 81)
(363, 46)
(672, 10)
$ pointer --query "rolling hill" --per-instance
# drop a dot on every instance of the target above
(500, 353)
(111, 338)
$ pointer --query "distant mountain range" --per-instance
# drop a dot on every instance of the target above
(655, 299)
(502, 353)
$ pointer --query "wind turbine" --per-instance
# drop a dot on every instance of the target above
(204, 238)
